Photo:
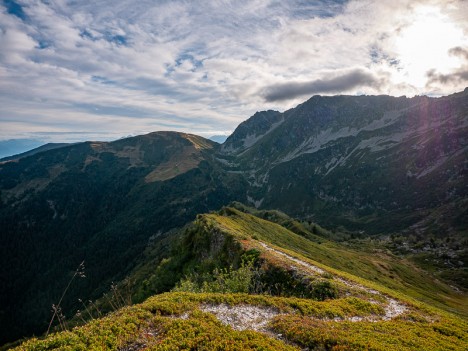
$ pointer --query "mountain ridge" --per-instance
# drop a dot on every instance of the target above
(329, 150)
(105, 202)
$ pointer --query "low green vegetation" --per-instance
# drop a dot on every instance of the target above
(311, 333)
(226, 280)
(177, 321)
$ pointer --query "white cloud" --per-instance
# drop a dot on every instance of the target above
(120, 67)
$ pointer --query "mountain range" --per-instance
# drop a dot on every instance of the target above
(375, 171)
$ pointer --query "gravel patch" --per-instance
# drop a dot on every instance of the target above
(393, 309)
(243, 317)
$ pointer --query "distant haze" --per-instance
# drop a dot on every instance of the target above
(218, 138)
(17, 146)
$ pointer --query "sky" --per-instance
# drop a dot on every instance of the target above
(100, 70)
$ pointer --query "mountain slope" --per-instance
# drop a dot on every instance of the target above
(359, 314)
(98, 202)
(372, 163)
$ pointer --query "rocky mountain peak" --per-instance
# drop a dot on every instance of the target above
(251, 130)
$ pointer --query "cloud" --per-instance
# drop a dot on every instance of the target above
(459, 51)
(341, 83)
(120, 67)
(458, 77)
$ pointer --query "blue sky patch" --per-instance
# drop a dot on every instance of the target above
(15, 9)
(119, 40)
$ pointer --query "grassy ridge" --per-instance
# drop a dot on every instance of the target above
(199, 249)
(378, 267)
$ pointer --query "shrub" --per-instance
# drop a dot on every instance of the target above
(224, 280)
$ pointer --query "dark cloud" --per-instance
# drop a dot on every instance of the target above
(337, 84)
(460, 75)
(304, 9)
(459, 51)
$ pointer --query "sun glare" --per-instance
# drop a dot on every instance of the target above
(424, 45)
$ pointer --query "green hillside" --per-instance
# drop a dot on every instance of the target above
(242, 281)
(375, 266)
